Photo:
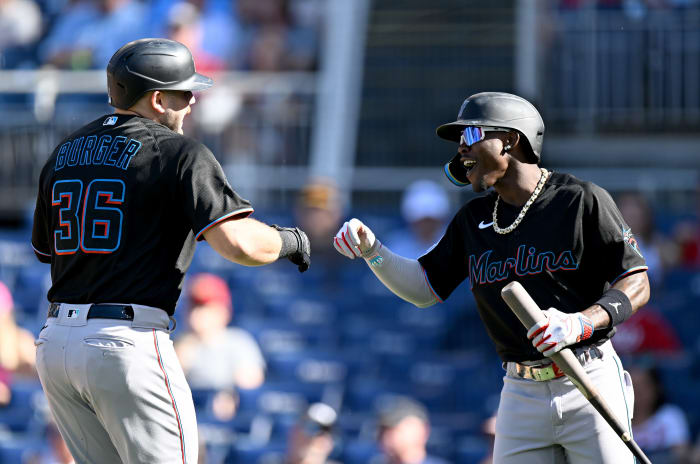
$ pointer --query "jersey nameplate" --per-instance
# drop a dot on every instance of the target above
(103, 151)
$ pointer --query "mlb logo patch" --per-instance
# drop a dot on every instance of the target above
(72, 313)
(110, 121)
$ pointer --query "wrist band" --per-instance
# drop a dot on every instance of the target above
(290, 243)
(372, 255)
(616, 303)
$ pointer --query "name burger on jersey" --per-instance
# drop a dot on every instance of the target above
(95, 151)
(483, 270)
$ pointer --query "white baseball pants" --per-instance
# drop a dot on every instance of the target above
(116, 388)
(551, 422)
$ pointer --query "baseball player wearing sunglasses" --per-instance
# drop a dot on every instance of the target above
(566, 242)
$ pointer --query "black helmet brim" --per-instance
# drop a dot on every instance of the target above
(194, 83)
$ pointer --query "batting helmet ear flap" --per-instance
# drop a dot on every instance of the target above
(456, 172)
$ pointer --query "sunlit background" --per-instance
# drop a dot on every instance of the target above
(327, 109)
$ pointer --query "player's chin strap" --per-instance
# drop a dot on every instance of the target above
(402, 276)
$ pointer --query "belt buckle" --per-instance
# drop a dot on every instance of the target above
(542, 374)
(550, 372)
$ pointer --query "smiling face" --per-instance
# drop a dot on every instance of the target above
(484, 160)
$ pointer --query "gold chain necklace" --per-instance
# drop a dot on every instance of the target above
(530, 201)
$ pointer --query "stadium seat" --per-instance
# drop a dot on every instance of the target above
(250, 453)
(281, 398)
(359, 452)
(471, 450)
(316, 366)
(18, 451)
(20, 415)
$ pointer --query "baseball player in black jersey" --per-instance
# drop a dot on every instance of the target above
(566, 242)
(121, 204)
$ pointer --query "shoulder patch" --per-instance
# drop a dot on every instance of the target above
(110, 121)
(629, 239)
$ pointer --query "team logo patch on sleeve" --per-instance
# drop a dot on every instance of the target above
(110, 121)
(629, 239)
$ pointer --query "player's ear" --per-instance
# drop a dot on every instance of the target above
(157, 101)
(512, 138)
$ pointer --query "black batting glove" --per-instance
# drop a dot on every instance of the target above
(295, 246)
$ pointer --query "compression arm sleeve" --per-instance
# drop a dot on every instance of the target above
(404, 277)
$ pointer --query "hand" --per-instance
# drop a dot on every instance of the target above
(559, 330)
(353, 239)
(295, 246)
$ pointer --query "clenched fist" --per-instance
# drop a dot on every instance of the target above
(353, 239)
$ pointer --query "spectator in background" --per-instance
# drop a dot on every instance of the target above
(5, 392)
(647, 333)
(185, 25)
(17, 351)
(639, 216)
(318, 212)
(87, 33)
(659, 428)
(425, 208)
(20, 27)
(271, 39)
(404, 428)
(57, 452)
(488, 430)
(214, 355)
(311, 438)
(214, 23)
(686, 236)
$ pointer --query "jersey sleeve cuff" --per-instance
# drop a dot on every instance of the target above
(39, 252)
(238, 214)
(427, 281)
(630, 272)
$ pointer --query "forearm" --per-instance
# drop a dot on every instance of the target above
(404, 277)
(635, 287)
(245, 241)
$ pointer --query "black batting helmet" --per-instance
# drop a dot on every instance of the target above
(494, 109)
(151, 64)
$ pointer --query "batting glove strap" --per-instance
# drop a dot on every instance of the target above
(559, 330)
(616, 303)
(295, 246)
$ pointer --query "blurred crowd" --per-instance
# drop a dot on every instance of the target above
(297, 371)
(263, 35)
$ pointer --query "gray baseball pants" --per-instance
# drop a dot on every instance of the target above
(116, 388)
(551, 422)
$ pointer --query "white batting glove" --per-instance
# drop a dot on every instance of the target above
(559, 330)
(353, 239)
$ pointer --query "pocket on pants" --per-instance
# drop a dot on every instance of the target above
(41, 338)
(108, 342)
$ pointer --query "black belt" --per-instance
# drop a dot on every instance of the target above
(98, 311)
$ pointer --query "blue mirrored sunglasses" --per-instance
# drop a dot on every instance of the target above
(473, 134)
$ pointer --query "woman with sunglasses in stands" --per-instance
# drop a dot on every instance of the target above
(566, 242)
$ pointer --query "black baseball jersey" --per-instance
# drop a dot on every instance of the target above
(571, 246)
(121, 203)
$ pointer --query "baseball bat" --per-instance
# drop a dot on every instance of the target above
(522, 304)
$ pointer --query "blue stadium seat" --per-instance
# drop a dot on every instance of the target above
(359, 452)
(249, 453)
(280, 398)
(20, 415)
(18, 451)
(316, 366)
(283, 336)
(471, 450)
